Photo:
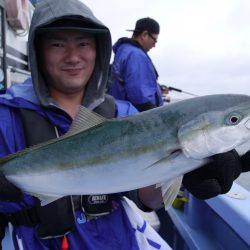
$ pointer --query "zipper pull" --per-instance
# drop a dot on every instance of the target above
(65, 243)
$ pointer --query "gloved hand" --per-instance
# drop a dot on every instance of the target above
(215, 177)
(8, 191)
(245, 160)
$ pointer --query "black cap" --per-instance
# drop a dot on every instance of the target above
(72, 23)
(147, 24)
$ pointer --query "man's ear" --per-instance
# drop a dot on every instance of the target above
(144, 35)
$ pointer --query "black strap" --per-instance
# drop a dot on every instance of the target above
(54, 219)
(3, 224)
(37, 128)
(27, 216)
(107, 108)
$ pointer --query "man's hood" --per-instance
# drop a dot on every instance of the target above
(48, 11)
(132, 42)
(126, 40)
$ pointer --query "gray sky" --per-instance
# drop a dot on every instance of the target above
(203, 47)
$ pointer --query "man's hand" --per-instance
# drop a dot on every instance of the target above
(8, 191)
(245, 160)
(217, 176)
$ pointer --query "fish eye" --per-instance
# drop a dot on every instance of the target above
(234, 119)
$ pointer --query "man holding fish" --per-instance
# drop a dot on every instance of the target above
(47, 209)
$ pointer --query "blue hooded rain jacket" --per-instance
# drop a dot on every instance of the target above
(133, 76)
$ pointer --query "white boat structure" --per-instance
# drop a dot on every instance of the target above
(14, 25)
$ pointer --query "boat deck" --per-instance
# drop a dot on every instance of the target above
(222, 222)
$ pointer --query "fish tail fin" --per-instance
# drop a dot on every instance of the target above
(170, 190)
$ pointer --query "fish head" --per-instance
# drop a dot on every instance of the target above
(215, 132)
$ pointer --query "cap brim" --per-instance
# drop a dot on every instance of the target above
(85, 30)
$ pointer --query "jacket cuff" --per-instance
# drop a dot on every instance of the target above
(134, 196)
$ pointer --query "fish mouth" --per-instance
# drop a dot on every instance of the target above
(247, 124)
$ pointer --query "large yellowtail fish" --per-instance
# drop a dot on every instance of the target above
(99, 156)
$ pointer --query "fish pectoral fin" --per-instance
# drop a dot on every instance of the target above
(84, 120)
(170, 190)
(168, 159)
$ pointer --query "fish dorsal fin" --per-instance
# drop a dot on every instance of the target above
(84, 120)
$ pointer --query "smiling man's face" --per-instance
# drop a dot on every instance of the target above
(68, 60)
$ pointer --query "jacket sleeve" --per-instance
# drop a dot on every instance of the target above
(140, 80)
(12, 140)
(124, 108)
(11, 133)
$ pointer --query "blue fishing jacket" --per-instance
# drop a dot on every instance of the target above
(133, 76)
(112, 231)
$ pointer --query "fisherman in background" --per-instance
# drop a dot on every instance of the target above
(133, 75)
(69, 56)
